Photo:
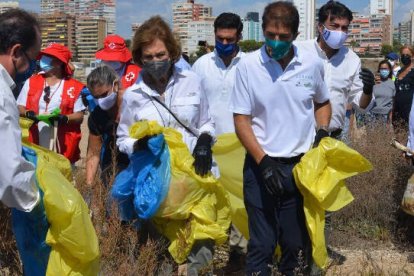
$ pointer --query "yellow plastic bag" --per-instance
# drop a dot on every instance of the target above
(320, 178)
(196, 207)
(71, 235)
(229, 155)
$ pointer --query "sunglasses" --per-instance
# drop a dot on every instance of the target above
(46, 97)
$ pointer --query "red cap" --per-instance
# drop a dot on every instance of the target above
(60, 52)
(114, 50)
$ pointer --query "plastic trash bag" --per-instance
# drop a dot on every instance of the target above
(30, 229)
(195, 207)
(407, 204)
(229, 155)
(320, 178)
(145, 183)
(71, 234)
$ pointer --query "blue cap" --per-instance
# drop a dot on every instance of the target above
(392, 56)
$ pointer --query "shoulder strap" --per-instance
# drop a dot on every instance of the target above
(175, 117)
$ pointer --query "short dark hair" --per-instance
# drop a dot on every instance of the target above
(228, 20)
(17, 27)
(101, 75)
(282, 12)
(334, 9)
(389, 66)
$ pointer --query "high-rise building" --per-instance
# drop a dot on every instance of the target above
(90, 34)
(306, 9)
(134, 28)
(4, 6)
(367, 33)
(59, 28)
(384, 6)
(98, 9)
(252, 29)
(186, 14)
(404, 32)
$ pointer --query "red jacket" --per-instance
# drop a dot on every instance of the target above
(130, 75)
(69, 135)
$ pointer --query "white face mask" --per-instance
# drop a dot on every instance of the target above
(109, 101)
(334, 39)
(391, 62)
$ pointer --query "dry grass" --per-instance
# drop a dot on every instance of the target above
(374, 219)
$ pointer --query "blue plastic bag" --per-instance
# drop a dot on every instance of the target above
(30, 229)
(142, 187)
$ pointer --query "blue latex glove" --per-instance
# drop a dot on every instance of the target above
(87, 99)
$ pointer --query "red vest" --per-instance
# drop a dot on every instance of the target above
(69, 135)
(131, 75)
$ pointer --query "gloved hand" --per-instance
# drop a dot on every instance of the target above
(61, 119)
(321, 133)
(203, 156)
(141, 144)
(32, 116)
(272, 176)
(368, 79)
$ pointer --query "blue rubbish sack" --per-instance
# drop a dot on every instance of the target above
(143, 185)
(30, 229)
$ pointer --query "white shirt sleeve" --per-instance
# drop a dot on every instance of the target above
(22, 98)
(17, 176)
(322, 92)
(124, 142)
(206, 122)
(240, 101)
(79, 106)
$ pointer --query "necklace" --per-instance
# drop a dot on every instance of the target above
(47, 95)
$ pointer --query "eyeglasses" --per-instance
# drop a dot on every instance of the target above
(46, 97)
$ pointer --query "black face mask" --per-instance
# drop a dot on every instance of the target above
(405, 60)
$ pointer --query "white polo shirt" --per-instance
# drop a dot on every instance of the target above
(280, 102)
(218, 82)
(183, 95)
(341, 77)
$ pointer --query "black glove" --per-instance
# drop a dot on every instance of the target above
(272, 176)
(368, 79)
(61, 119)
(321, 133)
(142, 144)
(32, 116)
(203, 156)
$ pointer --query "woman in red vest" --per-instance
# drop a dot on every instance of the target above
(115, 54)
(54, 88)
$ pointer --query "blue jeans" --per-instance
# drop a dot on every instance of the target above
(273, 221)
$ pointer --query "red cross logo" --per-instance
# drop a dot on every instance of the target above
(69, 92)
(130, 76)
(112, 45)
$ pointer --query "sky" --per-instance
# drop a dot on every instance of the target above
(137, 11)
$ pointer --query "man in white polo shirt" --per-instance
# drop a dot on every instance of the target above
(348, 84)
(346, 81)
(218, 70)
(278, 96)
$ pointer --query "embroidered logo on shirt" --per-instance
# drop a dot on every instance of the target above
(69, 92)
(130, 76)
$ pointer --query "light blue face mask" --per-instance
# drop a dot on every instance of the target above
(279, 48)
(384, 73)
(45, 63)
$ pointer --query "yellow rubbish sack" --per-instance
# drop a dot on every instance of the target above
(195, 207)
(71, 235)
(320, 178)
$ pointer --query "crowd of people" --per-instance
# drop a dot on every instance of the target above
(281, 100)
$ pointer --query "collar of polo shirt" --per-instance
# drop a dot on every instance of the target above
(264, 56)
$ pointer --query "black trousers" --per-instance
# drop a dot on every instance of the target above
(274, 221)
